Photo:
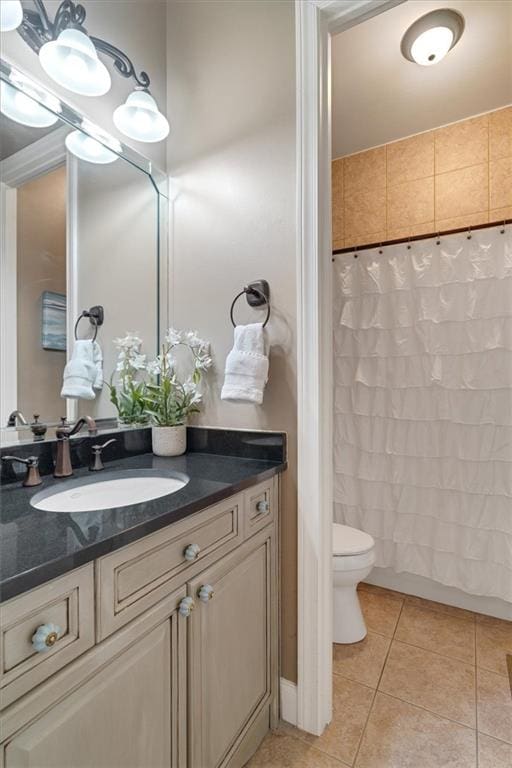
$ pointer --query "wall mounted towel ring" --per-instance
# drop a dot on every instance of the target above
(95, 315)
(257, 295)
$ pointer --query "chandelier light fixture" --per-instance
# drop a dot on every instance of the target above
(69, 55)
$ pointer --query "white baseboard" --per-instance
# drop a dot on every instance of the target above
(432, 590)
(288, 694)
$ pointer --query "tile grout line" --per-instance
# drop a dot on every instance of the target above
(377, 688)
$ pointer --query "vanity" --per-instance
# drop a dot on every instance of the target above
(156, 622)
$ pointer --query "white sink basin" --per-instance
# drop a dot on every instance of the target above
(112, 490)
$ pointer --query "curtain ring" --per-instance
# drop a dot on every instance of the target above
(355, 253)
(409, 244)
(438, 241)
(502, 231)
(469, 234)
(380, 248)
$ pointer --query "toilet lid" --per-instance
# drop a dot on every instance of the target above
(350, 541)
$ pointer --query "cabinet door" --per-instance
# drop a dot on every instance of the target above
(119, 718)
(230, 644)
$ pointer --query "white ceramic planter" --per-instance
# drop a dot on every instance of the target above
(169, 441)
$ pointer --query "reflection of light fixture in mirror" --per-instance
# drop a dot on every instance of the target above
(139, 118)
(86, 148)
(24, 109)
(72, 61)
(11, 15)
(429, 39)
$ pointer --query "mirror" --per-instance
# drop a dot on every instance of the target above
(76, 233)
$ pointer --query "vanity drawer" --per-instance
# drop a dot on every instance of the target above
(132, 579)
(259, 506)
(68, 603)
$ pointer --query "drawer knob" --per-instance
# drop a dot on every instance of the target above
(186, 606)
(205, 593)
(262, 506)
(191, 552)
(45, 637)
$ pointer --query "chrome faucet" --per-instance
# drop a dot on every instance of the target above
(16, 416)
(63, 467)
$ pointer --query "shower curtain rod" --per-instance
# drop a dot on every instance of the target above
(355, 248)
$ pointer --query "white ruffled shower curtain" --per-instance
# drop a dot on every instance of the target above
(423, 406)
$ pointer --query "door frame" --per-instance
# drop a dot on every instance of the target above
(315, 22)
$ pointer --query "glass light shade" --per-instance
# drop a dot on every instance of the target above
(23, 109)
(72, 61)
(11, 15)
(86, 148)
(139, 118)
(432, 46)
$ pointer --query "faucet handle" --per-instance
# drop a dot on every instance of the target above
(97, 462)
(32, 476)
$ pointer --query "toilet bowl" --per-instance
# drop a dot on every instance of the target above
(353, 558)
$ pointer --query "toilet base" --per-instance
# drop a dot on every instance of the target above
(349, 624)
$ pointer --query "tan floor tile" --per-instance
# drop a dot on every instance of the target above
(438, 632)
(493, 753)
(283, 751)
(363, 585)
(494, 704)
(399, 735)
(452, 610)
(380, 612)
(362, 661)
(493, 642)
(437, 683)
(351, 705)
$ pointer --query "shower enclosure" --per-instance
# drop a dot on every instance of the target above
(423, 406)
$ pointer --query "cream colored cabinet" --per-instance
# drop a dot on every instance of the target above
(179, 670)
(120, 716)
(231, 652)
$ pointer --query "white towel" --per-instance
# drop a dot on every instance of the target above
(97, 356)
(246, 365)
(81, 371)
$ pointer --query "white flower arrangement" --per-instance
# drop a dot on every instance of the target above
(127, 395)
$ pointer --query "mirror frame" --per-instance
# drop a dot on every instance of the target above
(71, 117)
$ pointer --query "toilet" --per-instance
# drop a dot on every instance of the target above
(353, 557)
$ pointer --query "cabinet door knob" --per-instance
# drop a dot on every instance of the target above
(262, 506)
(186, 606)
(205, 593)
(45, 637)
(191, 552)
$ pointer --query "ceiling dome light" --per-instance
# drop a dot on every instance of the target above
(11, 15)
(139, 118)
(72, 61)
(21, 108)
(86, 148)
(429, 39)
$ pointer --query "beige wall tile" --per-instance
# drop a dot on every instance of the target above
(462, 144)
(471, 220)
(461, 192)
(400, 735)
(338, 244)
(373, 237)
(500, 180)
(498, 214)
(418, 229)
(366, 170)
(410, 203)
(500, 133)
(365, 213)
(338, 228)
(410, 159)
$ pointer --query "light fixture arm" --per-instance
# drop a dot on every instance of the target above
(36, 29)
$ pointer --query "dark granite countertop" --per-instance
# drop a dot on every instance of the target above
(37, 546)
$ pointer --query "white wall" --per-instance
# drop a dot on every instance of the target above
(231, 154)
(135, 26)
